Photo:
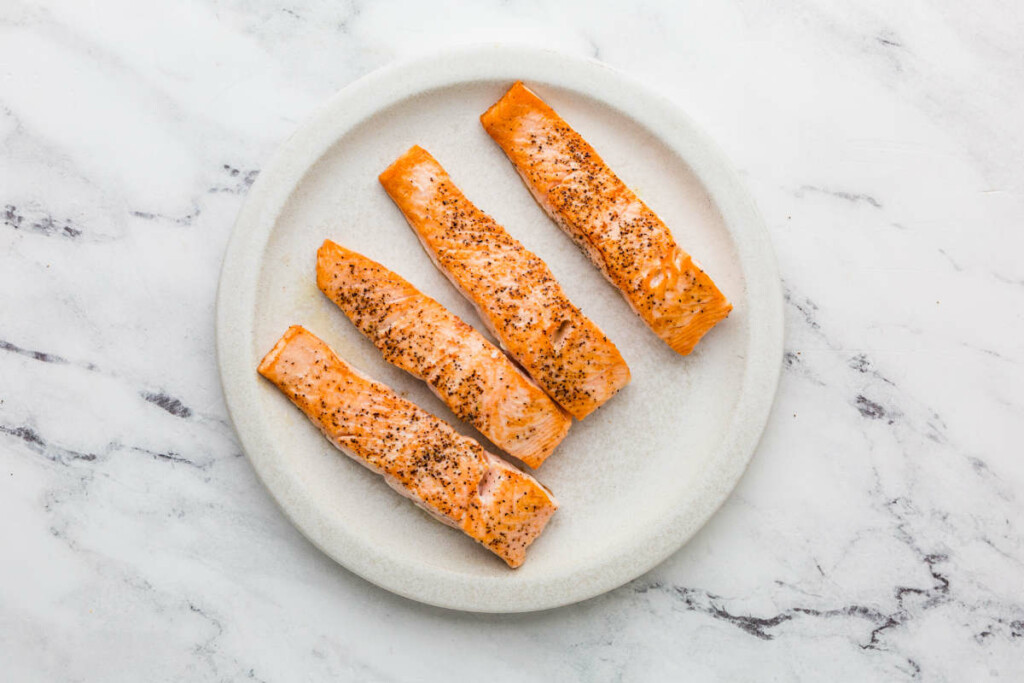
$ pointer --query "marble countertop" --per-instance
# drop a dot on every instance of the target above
(878, 533)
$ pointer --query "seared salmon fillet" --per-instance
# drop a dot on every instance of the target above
(449, 475)
(627, 241)
(475, 379)
(514, 291)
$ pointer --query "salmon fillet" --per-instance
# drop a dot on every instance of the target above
(627, 241)
(419, 335)
(449, 475)
(513, 290)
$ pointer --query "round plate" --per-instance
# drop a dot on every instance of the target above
(637, 478)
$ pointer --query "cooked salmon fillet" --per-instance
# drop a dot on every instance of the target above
(475, 379)
(627, 241)
(449, 475)
(514, 291)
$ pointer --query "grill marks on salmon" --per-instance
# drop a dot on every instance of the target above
(627, 241)
(449, 475)
(419, 335)
(513, 289)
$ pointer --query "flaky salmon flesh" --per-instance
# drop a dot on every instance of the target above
(627, 241)
(449, 475)
(416, 333)
(513, 289)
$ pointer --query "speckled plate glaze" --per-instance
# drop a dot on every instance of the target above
(635, 480)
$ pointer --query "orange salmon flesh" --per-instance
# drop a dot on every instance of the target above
(420, 456)
(620, 235)
(419, 335)
(512, 288)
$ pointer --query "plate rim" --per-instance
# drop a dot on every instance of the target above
(268, 196)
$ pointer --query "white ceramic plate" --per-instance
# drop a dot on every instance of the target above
(635, 480)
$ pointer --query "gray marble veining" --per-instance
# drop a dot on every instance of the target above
(878, 533)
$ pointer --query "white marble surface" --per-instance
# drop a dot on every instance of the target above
(878, 534)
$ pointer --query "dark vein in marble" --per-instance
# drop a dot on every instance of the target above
(355, 11)
(987, 352)
(935, 428)
(1008, 280)
(169, 456)
(909, 599)
(208, 647)
(26, 434)
(873, 410)
(1014, 629)
(929, 598)
(805, 306)
(870, 408)
(41, 356)
(169, 403)
(42, 224)
(979, 465)
(45, 357)
(242, 180)
(251, 675)
(187, 219)
(808, 312)
(39, 445)
(709, 604)
(795, 364)
(838, 194)
(862, 364)
(956, 266)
